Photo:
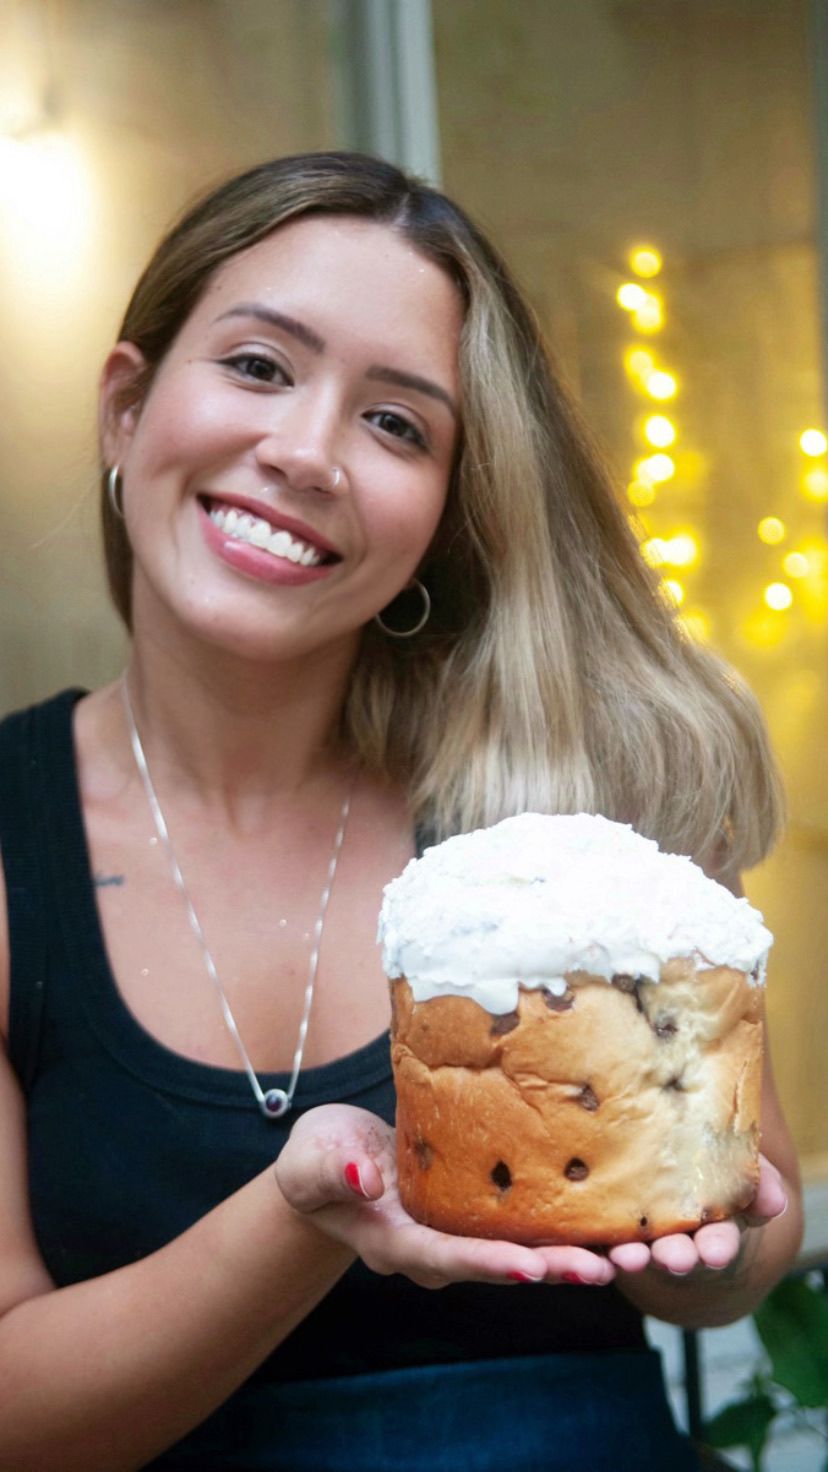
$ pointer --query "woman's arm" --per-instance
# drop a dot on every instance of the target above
(725, 1269)
(101, 1376)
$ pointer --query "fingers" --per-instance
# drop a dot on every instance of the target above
(322, 1175)
(771, 1198)
(336, 1153)
(630, 1257)
(433, 1259)
(714, 1247)
(439, 1259)
(577, 1265)
(364, 1179)
(718, 1244)
(676, 1254)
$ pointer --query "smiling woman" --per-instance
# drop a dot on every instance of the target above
(273, 402)
(328, 402)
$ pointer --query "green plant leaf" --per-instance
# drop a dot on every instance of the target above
(793, 1324)
(742, 1423)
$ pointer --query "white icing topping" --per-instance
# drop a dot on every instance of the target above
(535, 897)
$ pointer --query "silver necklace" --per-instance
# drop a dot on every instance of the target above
(272, 1102)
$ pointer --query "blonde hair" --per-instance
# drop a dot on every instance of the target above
(552, 675)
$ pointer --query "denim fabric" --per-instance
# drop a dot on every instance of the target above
(557, 1413)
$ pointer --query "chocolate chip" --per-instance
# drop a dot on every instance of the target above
(675, 1083)
(558, 1002)
(631, 985)
(643, 1221)
(577, 1170)
(424, 1154)
(665, 1026)
(502, 1176)
(504, 1024)
(587, 1097)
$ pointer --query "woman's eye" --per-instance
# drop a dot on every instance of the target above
(400, 428)
(255, 366)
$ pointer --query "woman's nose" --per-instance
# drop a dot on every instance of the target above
(304, 456)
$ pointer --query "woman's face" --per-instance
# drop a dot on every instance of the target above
(289, 466)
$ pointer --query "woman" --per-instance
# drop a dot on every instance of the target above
(327, 425)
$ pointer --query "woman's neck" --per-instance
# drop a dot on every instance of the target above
(234, 735)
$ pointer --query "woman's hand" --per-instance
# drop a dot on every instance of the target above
(718, 1245)
(339, 1166)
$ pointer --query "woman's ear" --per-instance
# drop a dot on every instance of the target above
(118, 403)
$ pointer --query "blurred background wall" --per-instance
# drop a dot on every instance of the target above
(650, 168)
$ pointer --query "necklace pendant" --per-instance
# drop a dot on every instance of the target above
(274, 1104)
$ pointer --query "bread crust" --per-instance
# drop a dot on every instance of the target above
(619, 1112)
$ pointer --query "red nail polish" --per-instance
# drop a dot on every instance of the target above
(574, 1278)
(353, 1178)
(519, 1277)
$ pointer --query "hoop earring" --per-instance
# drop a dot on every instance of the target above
(114, 491)
(422, 620)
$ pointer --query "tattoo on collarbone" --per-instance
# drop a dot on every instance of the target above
(109, 881)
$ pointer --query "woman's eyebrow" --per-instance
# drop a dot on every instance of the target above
(296, 329)
(317, 344)
(413, 380)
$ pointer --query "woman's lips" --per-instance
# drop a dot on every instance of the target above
(275, 518)
(256, 563)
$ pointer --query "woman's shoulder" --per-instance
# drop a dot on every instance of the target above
(20, 726)
(27, 735)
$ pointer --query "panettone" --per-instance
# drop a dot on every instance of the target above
(576, 1037)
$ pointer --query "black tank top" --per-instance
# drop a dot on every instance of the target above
(130, 1143)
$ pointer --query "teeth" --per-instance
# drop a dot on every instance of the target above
(259, 533)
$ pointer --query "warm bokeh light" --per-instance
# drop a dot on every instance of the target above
(681, 550)
(659, 431)
(771, 530)
(675, 589)
(638, 363)
(655, 468)
(649, 316)
(46, 208)
(796, 565)
(645, 261)
(641, 493)
(696, 623)
(654, 551)
(631, 296)
(815, 484)
(813, 442)
(661, 385)
(778, 596)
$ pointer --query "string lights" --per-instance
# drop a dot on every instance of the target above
(795, 548)
(656, 470)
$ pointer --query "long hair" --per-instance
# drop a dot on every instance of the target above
(553, 675)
